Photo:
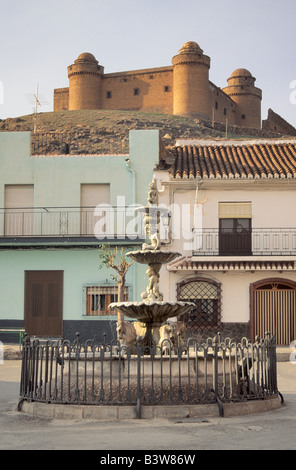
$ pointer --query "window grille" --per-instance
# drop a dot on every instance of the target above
(98, 298)
(207, 297)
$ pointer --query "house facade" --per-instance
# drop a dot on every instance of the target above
(233, 219)
(56, 211)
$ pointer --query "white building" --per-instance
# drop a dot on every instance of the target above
(233, 219)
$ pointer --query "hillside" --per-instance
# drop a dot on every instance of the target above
(99, 131)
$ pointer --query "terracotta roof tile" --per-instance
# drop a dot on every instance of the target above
(246, 160)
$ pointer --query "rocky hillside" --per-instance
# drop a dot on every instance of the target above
(96, 131)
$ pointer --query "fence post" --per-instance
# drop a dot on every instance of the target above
(216, 344)
(215, 365)
(139, 388)
(272, 367)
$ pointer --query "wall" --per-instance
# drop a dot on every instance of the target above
(273, 206)
(57, 179)
(276, 123)
(61, 99)
(222, 106)
(57, 182)
(151, 84)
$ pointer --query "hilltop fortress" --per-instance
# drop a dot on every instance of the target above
(182, 89)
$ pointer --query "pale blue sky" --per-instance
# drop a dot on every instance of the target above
(39, 39)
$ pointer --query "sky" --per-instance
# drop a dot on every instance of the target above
(40, 38)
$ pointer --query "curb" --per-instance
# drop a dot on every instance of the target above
(114, 413)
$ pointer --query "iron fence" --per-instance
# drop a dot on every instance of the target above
(107, 374)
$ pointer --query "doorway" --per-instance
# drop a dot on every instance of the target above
(273, 308)
(44, 303)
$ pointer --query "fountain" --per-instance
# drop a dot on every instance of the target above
(110, 376)
(152, 311)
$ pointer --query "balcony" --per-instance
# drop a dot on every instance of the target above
(70, 224)
(250, 242)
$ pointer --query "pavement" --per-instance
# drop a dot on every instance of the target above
(272, 430)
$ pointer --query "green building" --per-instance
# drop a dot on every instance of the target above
(56, 211)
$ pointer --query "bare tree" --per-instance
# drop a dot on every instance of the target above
(115, 259)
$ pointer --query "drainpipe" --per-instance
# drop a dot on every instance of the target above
(132, 171)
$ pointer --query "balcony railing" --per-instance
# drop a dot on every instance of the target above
(255, 242)
(102, 222)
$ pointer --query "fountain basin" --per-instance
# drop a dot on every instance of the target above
(154, 313)
(153, 256)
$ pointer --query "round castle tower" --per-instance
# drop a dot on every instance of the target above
(85, 77)
(242, 91)
(191, 81)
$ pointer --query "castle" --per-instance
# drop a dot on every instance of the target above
(182, 89)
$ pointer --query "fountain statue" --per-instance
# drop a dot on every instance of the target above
(152, 311)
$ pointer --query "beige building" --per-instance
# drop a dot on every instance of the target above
(182, 89)
(233, 219)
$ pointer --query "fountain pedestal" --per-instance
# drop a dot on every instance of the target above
(152, 311)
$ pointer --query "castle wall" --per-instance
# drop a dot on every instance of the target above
(191, 81)
(222, 107)
(85, 94)
(141, 90)
(61, 99)
(276, 123)
(248, 110)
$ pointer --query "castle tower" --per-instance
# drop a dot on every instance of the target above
(247, 97)
(191, 81)
(85, 77)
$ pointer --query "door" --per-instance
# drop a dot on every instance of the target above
(235, 237)
(274, 310)
(44, 303)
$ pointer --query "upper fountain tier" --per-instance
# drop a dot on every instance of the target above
(153, 256)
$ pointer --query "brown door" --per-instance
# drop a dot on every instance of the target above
(274, 310)
(44, 303)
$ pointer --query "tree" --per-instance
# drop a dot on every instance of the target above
(115, 259)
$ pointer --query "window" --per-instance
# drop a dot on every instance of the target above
(225, 111)
(91, 196)
(19, 211)
(206, 294)
(98, 299)
(136, 91)
(243, 116)
(109, 94)
(166, 88)
(235, 228)
(235, 237)
(216, 104)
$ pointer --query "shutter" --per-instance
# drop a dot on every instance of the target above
(91, 196)
(19, 213)
(235, 210)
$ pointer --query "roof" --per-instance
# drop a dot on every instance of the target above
(247, 160)
(241, 73)
(189, 264)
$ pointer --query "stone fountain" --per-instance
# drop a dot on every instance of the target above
(152, 311)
